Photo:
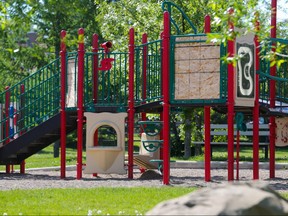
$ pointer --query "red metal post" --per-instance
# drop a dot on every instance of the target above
(7, 104)
(207, 24)
(95, 80)
(166, 105)
(144, 75)
(161, 89)
(95, 67)
(273, 90)
(207, 149)
(237, 154)
(63, 105)
(207, 139)
(80, 95)
(231, 72)
(256, 108)
(131, 109)
(22, 101)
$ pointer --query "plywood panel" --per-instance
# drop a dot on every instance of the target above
(197, 69)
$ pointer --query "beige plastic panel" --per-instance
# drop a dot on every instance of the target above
(197, 70)
(143, 151)
(72, 70)
(101, 159)
(281, 132)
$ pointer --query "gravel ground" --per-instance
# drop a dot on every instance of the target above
(35, 179)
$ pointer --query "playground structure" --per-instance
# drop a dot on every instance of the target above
(180, 70)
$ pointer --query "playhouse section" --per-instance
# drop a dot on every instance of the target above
(101, 158)
(101, 89)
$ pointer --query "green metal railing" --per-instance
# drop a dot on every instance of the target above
(281, 77)
(34, 99)
(112, 84)
(37, 98)
(169, 6)
(153, 72)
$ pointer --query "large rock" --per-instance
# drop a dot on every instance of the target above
(230, 199)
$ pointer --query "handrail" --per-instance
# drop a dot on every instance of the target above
(280, 40)
(169, 4)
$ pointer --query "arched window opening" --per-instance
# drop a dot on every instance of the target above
(105, 136)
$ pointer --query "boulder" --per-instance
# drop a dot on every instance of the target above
(227, 199)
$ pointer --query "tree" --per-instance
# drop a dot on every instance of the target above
(47, 18)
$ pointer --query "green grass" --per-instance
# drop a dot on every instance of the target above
(45, 158)
(96, 201)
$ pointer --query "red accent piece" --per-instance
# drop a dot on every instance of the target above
(131, 109)
(106, 64)
(80, 108)
(106, 46)
(142, 170)
(207, 23)
(166, 106)
(231, 72)
(273, 90)
(63, 106)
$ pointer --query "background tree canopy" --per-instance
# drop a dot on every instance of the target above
(111, 20)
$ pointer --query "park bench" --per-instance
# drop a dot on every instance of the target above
(245, 137)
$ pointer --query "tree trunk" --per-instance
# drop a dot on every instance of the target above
(198, 149)
(187, 139)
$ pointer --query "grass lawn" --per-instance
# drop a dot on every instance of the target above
(45, 158)
(96, 201)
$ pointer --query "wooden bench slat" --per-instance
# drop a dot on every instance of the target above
(249, 126)
(242, 133)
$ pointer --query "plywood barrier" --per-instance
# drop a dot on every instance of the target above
(197, 69)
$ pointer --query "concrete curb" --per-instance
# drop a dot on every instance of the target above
(187, 165)
(223, 165)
